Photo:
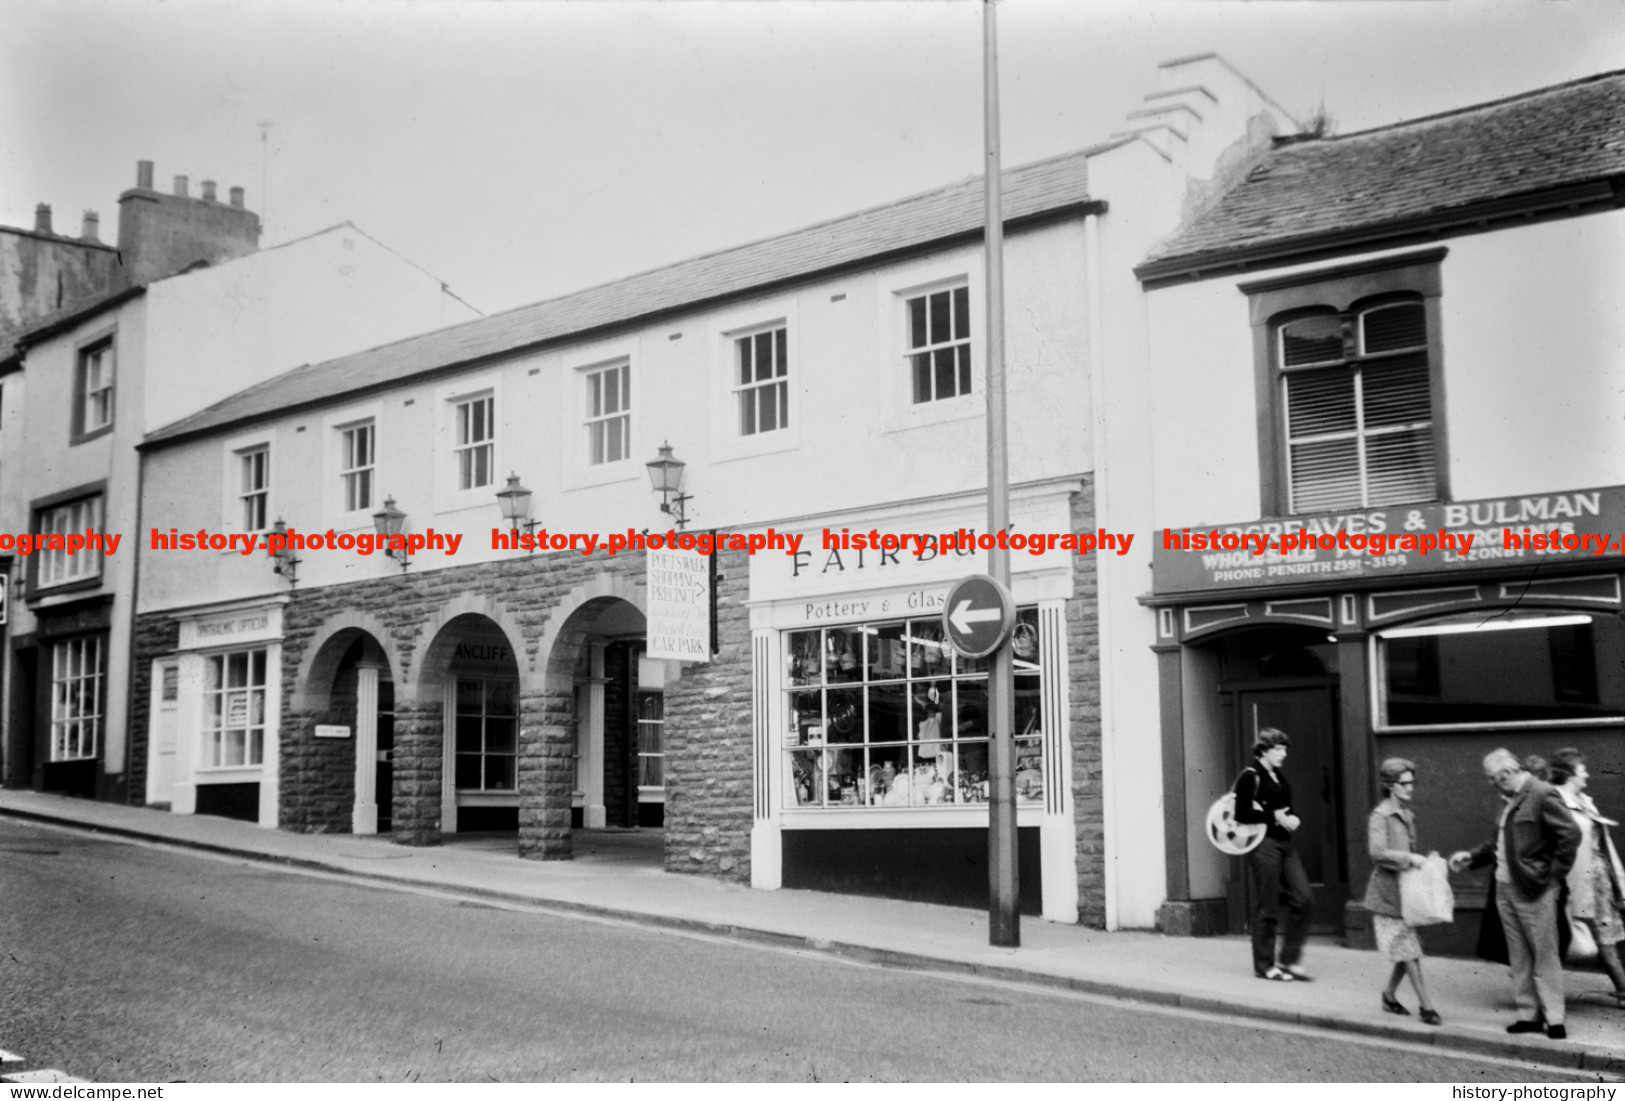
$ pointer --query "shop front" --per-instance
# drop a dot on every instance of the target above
(1360, 652)
(213, 727)
(871, 746)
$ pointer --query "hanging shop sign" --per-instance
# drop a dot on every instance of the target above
(679, 605)
(1580, 526)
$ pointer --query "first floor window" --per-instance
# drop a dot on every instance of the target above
(355, 465)
(885, 714)
(475, 442)
(609, 414)
(77, 696)
(234, 709)
(487, 735)
(254, 488)
(57, 567)
(939, 344)
(762, 389)
(651, 743)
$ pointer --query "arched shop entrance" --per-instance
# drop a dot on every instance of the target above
(616, 705)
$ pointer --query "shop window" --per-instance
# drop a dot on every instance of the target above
(609, 414)
(234, 709)
(77, 695)
(357, 449)
(1349, 364)
(938, 354)
(60, 567)
(487, 735)
(651, 741)
(761, 380)
(475, 441)
(254, 488)
(1503, 669)
(885, 714)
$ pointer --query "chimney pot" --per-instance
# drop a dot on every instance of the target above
(42, 218)
(143, 175)
(208, 191)
(180, 186)
(237, 197)
(92, 226)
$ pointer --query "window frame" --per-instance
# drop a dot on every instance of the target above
(1348, 291)
(245, 493)
(231, 495)
(38, 510)
(962, 372)
(81, 430)
(348, 471)
(961, 267)
(575, 367)
(463, 478)
(724, 329)
(98, 710)
(1435, 626)
(211, 737)
(658, 725)
(448, 494)
(485, 715)
(593, 421)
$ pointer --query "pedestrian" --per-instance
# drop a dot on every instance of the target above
(1391, 838)
(1263, 797)
(1533, 849)
(1595, 885)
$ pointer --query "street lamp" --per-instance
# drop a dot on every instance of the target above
(515, 504)
(283, 561)
(389, 521)
(666, 476)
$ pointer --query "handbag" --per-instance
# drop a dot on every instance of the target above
(1225, 833)
(1425, 897)
(1582, 945)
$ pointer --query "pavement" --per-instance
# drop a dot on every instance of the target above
(617, 874)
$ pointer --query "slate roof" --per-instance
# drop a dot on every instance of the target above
(1300, 191)
(1043, 187)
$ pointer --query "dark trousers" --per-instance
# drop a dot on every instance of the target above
(1278, 881)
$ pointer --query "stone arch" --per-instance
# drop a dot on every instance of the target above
(314, 678)
(426, 670)
(598, 593)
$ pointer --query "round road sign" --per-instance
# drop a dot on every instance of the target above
(978, 616)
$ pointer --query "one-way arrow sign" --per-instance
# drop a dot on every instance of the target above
(978, 615)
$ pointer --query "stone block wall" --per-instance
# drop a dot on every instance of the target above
(709, 766)
(1083, 654)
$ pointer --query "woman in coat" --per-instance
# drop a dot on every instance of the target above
(1391, 838)
(1594, 887)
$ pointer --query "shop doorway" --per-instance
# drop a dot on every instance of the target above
(1285, 678)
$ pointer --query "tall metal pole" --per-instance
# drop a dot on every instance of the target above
(1004, 889)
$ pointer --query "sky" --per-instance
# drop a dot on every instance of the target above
(524, 149)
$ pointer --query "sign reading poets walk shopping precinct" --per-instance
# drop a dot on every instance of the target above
(679, 605)
(1585, 525)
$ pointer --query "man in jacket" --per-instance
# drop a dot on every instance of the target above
(1263, 797)
(1534, 846)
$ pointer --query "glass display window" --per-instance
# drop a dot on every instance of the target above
(885, 714)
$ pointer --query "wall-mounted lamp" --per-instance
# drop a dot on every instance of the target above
(515, 504)
(390, 521)
(666, 476)
(283, 560)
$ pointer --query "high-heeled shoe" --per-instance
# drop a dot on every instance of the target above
(1429, 1017)
(1392, 1005)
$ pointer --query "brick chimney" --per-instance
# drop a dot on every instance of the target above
(42, 218)
(160, 235)
(92, 227)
